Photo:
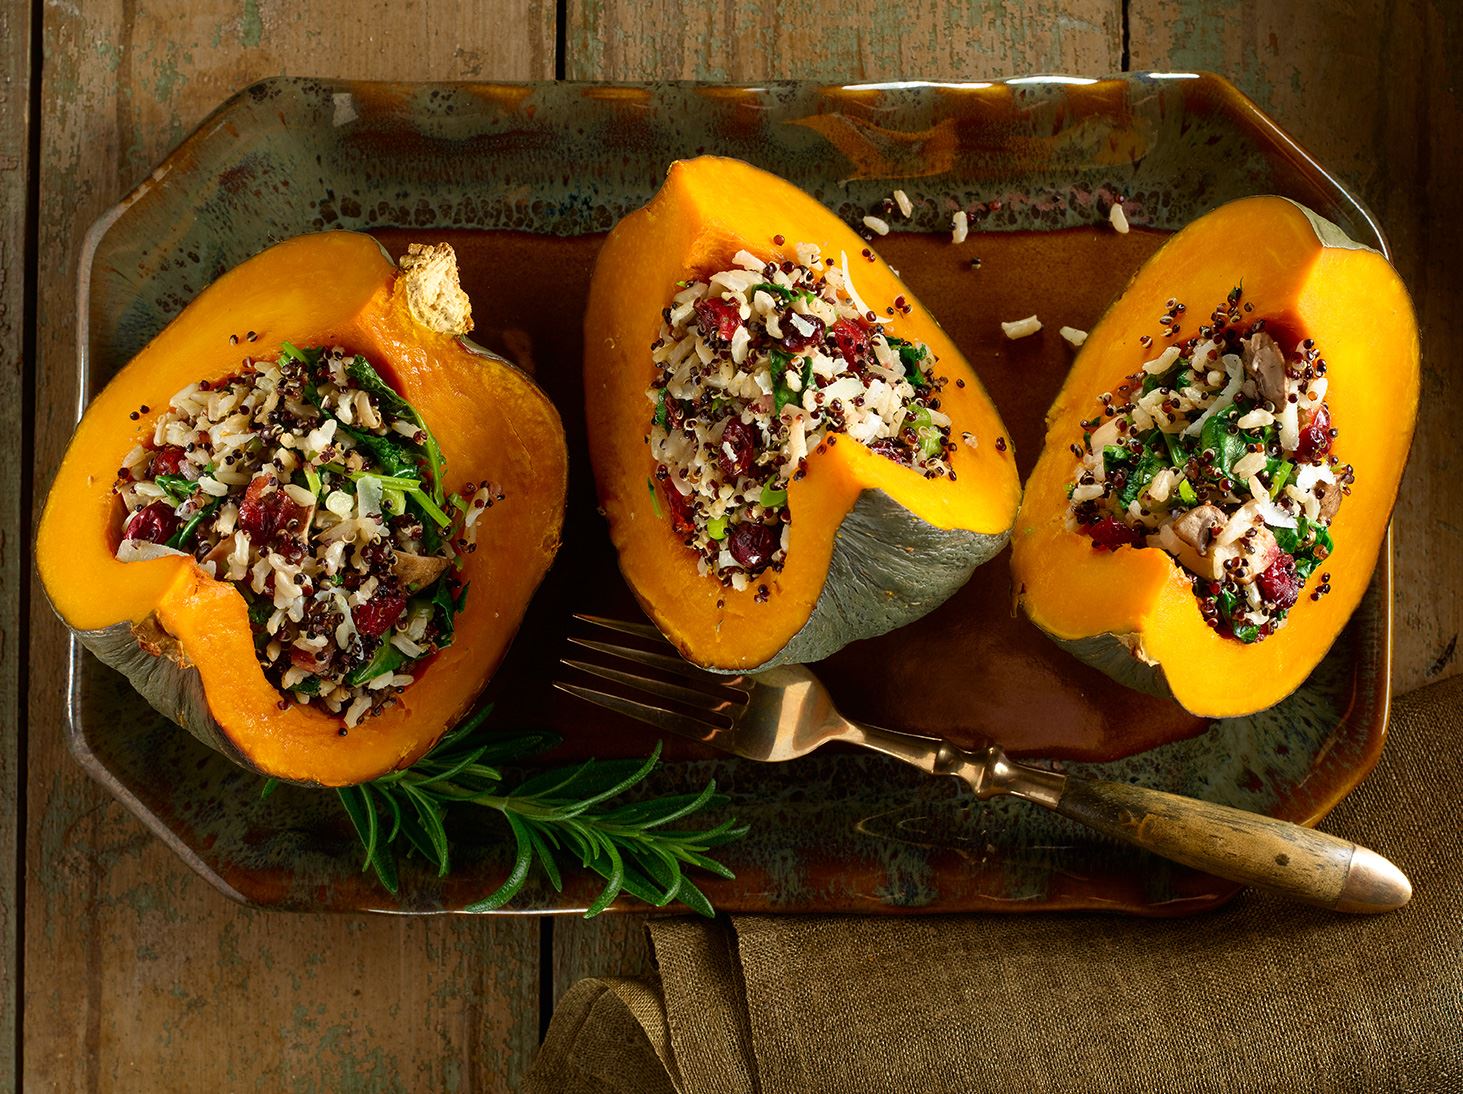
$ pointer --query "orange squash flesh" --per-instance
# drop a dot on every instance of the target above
(708, 210)
(492, 422)
(1132, 612)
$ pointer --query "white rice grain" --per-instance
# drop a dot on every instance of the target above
(959, 226)
(1021, 328)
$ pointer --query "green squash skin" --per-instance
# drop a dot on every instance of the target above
(888, 569)
(166, 679)
(1116, 656)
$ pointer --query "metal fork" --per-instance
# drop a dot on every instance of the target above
(785, 712)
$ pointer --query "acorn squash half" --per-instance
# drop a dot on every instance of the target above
(874, 545)
(182, 637)
(1131, 612)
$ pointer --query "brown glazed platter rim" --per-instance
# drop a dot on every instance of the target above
(1368, 732)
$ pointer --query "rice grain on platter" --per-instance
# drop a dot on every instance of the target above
(1021, 328)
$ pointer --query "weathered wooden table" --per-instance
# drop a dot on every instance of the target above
(123, 970)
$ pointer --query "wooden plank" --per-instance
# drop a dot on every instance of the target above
(15, 92)
(1369, 90)
(609, 945)
(138, 975)
(865, 40)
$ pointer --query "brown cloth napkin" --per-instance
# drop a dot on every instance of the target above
(1262, 995)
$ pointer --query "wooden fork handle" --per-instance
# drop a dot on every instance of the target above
(1271, 854)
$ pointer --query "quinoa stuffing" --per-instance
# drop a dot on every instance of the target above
(316, 489)
(1218, 451)
(758, 366)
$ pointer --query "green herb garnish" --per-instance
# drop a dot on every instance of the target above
(772, 498)
(654, 498)
(910, 357)
(386, 659)
(559, 811)
(782, 394)
(1148, 466)
(1280, 471)
(180, 538)
(360, 370)
(1177, 456)
(1228, 444)
(294, 353)
(662, 416)
(447, 606)
(931, 443)
(411, 487)
(176, 486)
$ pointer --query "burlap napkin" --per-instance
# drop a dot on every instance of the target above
(1262, 995)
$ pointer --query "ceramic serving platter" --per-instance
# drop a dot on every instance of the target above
(524, 180)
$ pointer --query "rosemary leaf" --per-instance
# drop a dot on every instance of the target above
(567, 810)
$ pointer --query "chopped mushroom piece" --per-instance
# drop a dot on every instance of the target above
(1191, 541)
(1198, 526)
(418, 571)
(1329, 494)
(1266, 365)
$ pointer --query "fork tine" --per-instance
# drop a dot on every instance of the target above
(679, 724)
(672, 663)
(624, 626)
(659, 689)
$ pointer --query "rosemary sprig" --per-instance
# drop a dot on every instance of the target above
(565, 810)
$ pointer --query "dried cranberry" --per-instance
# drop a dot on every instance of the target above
(154, 523)
(891, 449)
(851, 338)
(794, 340)
(1315, 437)
(738, 449)
(257, 515)
(1279, 583)
(753, 544)
(680, 509)
(718, 318)
(379, 614)
(265, 512)
(167, 460)
(1110, 533)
